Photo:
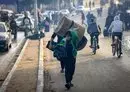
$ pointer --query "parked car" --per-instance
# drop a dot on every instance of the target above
(80, 9)
(10, 12)
(5, 37)
(65, 11)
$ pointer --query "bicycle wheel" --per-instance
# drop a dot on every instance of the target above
(113, 50)
(118, 50)
(94, 46)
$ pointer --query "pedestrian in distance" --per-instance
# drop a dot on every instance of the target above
(93, 4)
(82, 17)
(13, 27)
(99, 11)
(26, 20)
(90, 4)
(27, 24)
(46, 24)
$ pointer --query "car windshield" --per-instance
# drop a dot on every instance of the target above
(2, 28)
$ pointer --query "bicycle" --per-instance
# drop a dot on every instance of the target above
(95, 44)
(116, 47)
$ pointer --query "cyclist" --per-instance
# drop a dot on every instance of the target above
(89, 16)
(94, 30)
(117, 28)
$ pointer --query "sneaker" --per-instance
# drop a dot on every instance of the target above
(98, 46)
(71, 85)
(112, 44)
(62, 71)
(67, 86)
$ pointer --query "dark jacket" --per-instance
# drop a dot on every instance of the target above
(13, 24)
(67, 49)
(93, 28)
(28, 19)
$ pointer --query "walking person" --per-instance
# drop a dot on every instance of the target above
(93, 4)
(46, 24)
(82, 17)
(101, 10)
(68, 50)
(13, 27)
(90, 4)
(70, 61)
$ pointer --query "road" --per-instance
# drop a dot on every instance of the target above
(7, 58)
(94, 73)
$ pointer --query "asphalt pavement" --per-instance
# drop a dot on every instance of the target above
(94, 73)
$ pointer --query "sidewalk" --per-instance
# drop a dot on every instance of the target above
(94, 73)
(24, 78)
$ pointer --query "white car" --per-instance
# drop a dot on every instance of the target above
(19, 15)
(65, 11)
(19, 21)
(80, 8)
(10, 12)
(5, 37)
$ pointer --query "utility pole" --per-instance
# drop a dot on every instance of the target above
(58, 5)
(58, 8)
(36, 16)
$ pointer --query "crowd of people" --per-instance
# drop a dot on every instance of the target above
(68, 47)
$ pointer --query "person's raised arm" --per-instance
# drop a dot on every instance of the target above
(53, 36)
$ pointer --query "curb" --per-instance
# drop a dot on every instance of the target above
(40, 80)
(128, 43)
(9, 76)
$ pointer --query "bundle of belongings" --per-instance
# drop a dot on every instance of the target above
(77, 31)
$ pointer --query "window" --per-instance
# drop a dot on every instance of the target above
(2, 28)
